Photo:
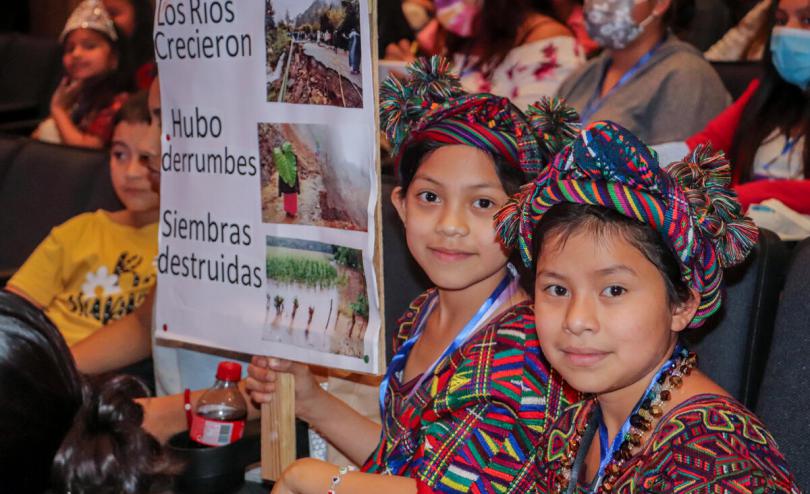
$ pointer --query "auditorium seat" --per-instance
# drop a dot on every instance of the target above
(784, 400)
(30, 69)
(733, 345)
(43, 185)
(737, 75)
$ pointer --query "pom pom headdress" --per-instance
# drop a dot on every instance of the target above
(431, 106)
(690, 204)
(90, 14)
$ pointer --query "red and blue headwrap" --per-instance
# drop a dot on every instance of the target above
(431, 106)
(690, 203)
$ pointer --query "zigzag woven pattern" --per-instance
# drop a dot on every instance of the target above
(474, 425)
(707, 444)
(690, 204)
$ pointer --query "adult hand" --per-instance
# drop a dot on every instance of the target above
(263, 375)
(65, 95)
(401, 51)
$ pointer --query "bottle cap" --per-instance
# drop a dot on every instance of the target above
(229, 371)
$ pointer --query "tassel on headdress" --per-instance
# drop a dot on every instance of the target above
(705, 178)
(556, 123)
(430, 105)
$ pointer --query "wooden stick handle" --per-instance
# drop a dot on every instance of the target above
(278, 428)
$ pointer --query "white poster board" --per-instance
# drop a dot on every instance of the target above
(269, 179)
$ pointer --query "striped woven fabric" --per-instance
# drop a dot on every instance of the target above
(706, 444)
(496, 140)
(430, 105)
(690, 203)
(474, 425)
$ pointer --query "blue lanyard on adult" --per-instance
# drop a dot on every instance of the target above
(597, 101)
(605, 452)
(484, 312)
(790, 143)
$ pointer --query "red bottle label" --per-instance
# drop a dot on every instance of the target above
(215, 432)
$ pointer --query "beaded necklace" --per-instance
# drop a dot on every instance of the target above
(648, 410)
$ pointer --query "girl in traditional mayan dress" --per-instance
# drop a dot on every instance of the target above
(468, 391)
(627, 256)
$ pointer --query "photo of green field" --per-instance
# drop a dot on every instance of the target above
(316, 296)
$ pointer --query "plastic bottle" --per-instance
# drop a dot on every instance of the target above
(219, 417)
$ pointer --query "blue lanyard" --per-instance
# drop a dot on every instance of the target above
(596, 101)
(786, 149)
(605, 452)
(401, 357)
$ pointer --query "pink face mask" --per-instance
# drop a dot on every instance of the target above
(458, 16)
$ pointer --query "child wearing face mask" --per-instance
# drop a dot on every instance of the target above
(86, 100)
(658, 87)
(628, 256)
(519, 49)
(765, 131)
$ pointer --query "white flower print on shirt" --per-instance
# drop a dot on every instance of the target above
(102, 279)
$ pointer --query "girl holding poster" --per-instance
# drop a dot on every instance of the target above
(468, 392)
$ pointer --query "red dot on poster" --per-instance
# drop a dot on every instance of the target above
(165, 327)
(168, 137)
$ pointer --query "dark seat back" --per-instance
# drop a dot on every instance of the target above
(784, 399)
(30, 68)
(733, 345)
(737, 75)
(404, 279)
(43, 185)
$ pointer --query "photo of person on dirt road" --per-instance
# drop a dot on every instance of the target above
(313, 52)
(330, 281)
(314, 175)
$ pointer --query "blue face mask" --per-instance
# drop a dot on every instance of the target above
(790, 52)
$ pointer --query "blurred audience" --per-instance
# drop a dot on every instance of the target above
(133, 20)
(658, 87)
(571, 12)
(513, 48)
(86, 100)
(764, 132)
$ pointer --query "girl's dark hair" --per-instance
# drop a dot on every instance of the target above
(135, 110)
(106, 450)
(565, 219)
(777, 104)
(58, 431)
(138, 49)
(497, 31)
(41, 391)
(141, 47)
(414, 155)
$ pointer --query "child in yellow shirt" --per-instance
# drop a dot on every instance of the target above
(98, 266)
